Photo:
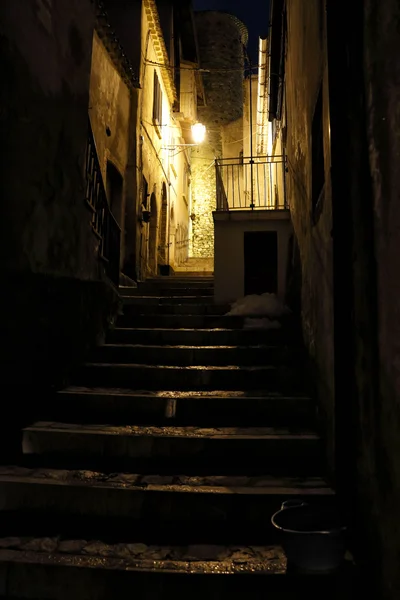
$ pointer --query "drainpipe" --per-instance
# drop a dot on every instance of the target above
(262, 108)
(251, 132)
(141, 269)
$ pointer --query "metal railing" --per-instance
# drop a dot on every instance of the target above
(251, 183)
(103, 222)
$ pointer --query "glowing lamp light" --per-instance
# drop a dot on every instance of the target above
(198, 133)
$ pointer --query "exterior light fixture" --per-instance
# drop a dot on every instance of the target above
(198, 133)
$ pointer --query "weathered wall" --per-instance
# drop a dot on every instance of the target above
(55, 310)
(110, 116)
(160, 161)
(44, 98)
(220, 45)
(305, 68)
(109, 107)
(374, 197)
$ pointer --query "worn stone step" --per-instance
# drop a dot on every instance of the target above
(196, 355)
(182, 273)
(156, 300)
(65, 568)
(177, 283)
(197, 377)
(213, 408)
(180, 509)
(191, 321)
(205, 337)
(123, 445)
(178, 321)
(155, 290)
(176, 280)
(127, 290)
(175, 309)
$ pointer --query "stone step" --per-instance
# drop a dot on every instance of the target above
(156, 300)
(196, 355)
(127, 290)
(177, 283)
(178, 509)
(175, 309)
(197, 377)
(190, 337)
(192, 274)
(120, 447)
(214, 408)
(156, 290)
(134, 318)
(184, 276)
(65, 568)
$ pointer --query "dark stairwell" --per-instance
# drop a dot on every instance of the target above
(159, 468)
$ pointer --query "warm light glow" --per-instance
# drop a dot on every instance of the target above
(198, 133)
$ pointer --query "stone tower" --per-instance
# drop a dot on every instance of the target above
(221, 38)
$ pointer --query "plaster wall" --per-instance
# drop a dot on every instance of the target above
(110, 117)
(55, 306)
(306, 70)
(45, 50)
(377, 322)
(229, 250)
(160, 160)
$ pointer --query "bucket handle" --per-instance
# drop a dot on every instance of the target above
(292, 504)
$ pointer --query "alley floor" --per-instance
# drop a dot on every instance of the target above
(159, 468)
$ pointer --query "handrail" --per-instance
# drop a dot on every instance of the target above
(103, 222)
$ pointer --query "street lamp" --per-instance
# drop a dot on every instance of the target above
(198, 133)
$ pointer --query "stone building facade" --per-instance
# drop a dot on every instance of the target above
(339, 81)
(161, 47)
(58, 302)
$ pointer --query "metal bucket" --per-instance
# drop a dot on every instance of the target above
(312, 537)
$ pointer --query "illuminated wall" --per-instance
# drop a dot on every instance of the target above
(221, 37)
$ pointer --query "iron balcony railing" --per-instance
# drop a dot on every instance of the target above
(256, 183)
(103, 222)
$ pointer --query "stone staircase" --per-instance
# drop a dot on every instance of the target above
(158, 471)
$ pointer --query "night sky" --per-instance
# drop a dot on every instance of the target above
(253, 13)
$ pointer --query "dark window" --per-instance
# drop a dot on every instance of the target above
(145, 193)
(157, 101)
(317, 142)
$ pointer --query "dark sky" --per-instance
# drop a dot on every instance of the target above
(253, 13)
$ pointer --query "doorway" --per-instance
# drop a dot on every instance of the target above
(260, 262)
(153, 235)
(114, 188)
(163, 246)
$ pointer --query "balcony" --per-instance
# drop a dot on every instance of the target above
(254, 184)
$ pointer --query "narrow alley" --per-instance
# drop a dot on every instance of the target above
(199, 342)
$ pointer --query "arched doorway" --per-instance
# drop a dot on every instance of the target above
(163, 247)
(153, 235)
